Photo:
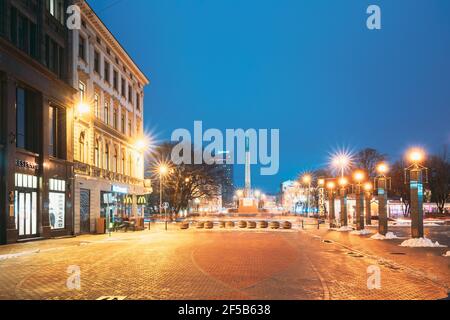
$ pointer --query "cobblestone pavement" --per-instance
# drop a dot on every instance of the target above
(203, 264)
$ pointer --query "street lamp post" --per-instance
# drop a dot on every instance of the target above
(359, 176)
(418, 174)
(162, 172)
(331, 215)
(307, 180)
(343, 182)
(381, 185)
(368, 187)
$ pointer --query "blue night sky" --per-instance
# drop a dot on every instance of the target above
(309, 68)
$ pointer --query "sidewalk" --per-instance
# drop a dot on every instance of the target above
(425, 262)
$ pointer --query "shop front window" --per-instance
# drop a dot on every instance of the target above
(57, 204)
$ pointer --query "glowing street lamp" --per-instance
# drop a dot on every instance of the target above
(342, 162)
(82, 109)
(416, 155)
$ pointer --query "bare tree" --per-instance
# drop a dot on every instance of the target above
(367, 159)
(399, 187)
(439, 178)
(184, 182)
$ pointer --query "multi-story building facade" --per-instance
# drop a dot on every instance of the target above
(108, 126)
(36, 156)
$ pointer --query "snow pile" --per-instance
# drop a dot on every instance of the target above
(431, 224)
(447, 254)
(17, 255)
(402, 223)
(388, 236)
(420, 243)
(345, 229)
(363, 232)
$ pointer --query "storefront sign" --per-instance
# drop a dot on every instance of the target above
(26, 164)
(57, 210)
(119, 189)
(141, 200)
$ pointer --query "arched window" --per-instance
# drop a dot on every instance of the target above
(97, 153)
(122, 165)
(106, 167)
(106, 112)
(115, 161)
(81, 146)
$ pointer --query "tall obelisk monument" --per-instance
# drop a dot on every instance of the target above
(248, 175)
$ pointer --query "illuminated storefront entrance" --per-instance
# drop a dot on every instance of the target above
(25, 208)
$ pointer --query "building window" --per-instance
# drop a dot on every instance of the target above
(54, 56)
(129, 128)
(20, 118)
(116, 80)
(97, 153)
(115, 118)
(56, 9)
(107, 79)
(27, 127)
(106, 113)
(106, 157)
(57, 205)
(82, 48)
(138, 102)
(81, 146)
(23, 33)
(96, 105)
(123, 88)
(82, 91)
(122, 122)
(97, 62)
(115, 161)
(122, 166)
(130, 94)
(56, 132)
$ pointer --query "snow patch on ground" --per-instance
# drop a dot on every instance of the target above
(363, 232)
(17, 255)
(345, 229)
(388, 236)
(420, 243)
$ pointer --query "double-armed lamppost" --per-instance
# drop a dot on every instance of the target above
(416, 174)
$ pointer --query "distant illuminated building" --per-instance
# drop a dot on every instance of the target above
(227, 184)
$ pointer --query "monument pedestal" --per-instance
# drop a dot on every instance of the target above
(248, 205)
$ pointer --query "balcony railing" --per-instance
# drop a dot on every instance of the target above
(91, 171)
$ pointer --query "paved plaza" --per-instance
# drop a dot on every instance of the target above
(221, 264)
